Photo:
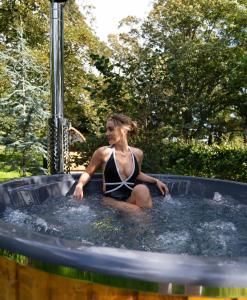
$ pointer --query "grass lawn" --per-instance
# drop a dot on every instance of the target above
(7, 169)
(4, 175)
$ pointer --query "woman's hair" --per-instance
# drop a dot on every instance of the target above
(124, 121)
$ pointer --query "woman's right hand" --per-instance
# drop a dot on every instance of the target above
(78, 193)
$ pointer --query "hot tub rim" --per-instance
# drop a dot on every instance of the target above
(35, 250)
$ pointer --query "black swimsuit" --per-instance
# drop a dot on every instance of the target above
(115, 187)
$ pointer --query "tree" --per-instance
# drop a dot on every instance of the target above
(35, 16)
(25, 103)
(185, 64)
(80, 74)
(80, 42)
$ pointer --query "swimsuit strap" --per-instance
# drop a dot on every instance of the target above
(133, 165)
(123, 182)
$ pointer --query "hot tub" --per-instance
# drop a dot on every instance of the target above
(40, 266)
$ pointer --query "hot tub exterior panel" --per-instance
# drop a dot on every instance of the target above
(32, 281)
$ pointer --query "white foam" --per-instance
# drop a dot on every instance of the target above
(41, 224)
(15, 216)
(217, 197)
(219, 226)
(172, 239)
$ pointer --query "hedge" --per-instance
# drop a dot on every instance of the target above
(184, 158)
(198, 159)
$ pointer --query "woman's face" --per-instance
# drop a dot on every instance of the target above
(113, 133)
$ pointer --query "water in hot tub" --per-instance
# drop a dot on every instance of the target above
(178, 225)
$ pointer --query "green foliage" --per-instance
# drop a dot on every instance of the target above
(35, 17)
(8, 175)
(25, 105)
(113, 84)
(199, 159)
(180, 73)
(80, 43)
(193, 158)
(184, 65)
(24, 70)
(87, 149)
(9, 165)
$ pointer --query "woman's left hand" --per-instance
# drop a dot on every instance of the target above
(162, 187)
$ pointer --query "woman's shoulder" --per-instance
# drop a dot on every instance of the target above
(102, 152)
(103, 148)
(138, 152)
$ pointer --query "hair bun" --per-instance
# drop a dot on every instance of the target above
(134, 128)
(121, 120)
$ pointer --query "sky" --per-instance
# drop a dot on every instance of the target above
(108, 13)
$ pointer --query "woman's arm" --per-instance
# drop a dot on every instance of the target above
(94, 164)
(160, 185)
(149, 179)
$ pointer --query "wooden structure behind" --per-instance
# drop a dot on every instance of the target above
(75, 136)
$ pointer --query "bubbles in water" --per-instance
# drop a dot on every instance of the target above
(219, 226)
(242, 207)
(215, 226)
(220, 199)
(82, 214)
(167, 197)
(15, 216)
(219, 237)
(31, 222)
(105, 224)
(41, 224)
(171, 241)
(217, 196)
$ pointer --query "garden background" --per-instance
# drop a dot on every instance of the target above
(181, 73)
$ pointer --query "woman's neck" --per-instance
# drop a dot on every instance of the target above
(122, 146)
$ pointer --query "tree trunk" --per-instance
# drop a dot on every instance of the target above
(187, 120)
(24, 164)
(245, 131)
(245, 135)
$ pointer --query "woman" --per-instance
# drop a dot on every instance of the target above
(122, 167)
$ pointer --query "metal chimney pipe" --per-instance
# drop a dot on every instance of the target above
(57, 122)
